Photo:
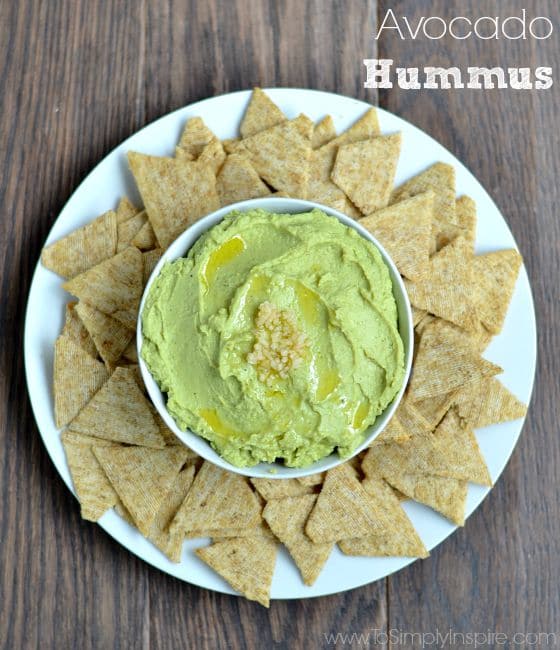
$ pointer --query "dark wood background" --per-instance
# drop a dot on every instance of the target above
(76, 77)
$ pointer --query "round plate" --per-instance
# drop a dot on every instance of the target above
(101, 190)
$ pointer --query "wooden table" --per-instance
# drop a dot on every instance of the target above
(76, 78)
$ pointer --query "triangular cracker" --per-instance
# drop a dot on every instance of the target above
(286, 518)
(83, 248)
(212, 155)
(365, 171)
(77, 377)
(440, 178)
(435, 407)
(110, 337)
(279, 488)
(393, 430)
(141, 477)
(312, 479)
(125, 210)
(445, 495)
(417, 315)
(320, 187)
(175, 192)
(465, 215)
(114, 286)
(447, 290)
(411, 419)
(404, 229)
(74, 329)
(445, 362)
(127, 230)
(398, 536)
(238, 181)
(247, 564)
(261, 529)
(95, 492)
(323, 132)
(149, 262)
(217, 499)
(171, 544)
(183, 154)
(130, 353)
(343, 509)
(494, 275)
(145, 238)
(261, 114)
(281, 156)
(195, 136)
(120, 412)
(486, 402)
(450, 451)
(365, 127)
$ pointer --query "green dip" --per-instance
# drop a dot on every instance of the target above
(276, 338)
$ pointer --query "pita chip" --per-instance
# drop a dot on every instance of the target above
(145, 238)
(261, 114)
(75, 330)
(465, 214)
(445, 362)
(404, 229)
(175, 192)
(280, 156)
(77, 377)
(494, 275)
(127, 230)
(113, 287)
(111, 337)
(171, 544)
(84, 248)
(286, 518)
(394, 430)
(213, 155)
(217, 499)
(364, 128)
(323, 132)
(125, 210)
(247, 564)
(486, 402)
(448, 289)
(365, 171)
(149, 262)
(343, 509)
(450, 451)
(142, 478)
(440, 178)
(238, 181)
(195, 137)
(95, 492)
(398, 536)
(444, 495)
(312, 479)
(120, 412)
(279, 488)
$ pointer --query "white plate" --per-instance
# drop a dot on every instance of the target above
(514, 350)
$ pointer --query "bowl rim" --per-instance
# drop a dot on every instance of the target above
(180, 247)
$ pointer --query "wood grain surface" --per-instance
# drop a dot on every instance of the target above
(76, 78)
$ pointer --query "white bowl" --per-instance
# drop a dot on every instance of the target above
(180, 247)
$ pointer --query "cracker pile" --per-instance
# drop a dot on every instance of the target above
(121, 454)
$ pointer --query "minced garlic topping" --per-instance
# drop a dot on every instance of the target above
(279, 345)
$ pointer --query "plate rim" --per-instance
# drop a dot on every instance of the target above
(198, 105)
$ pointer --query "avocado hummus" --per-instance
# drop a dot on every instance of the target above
(275, 338)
